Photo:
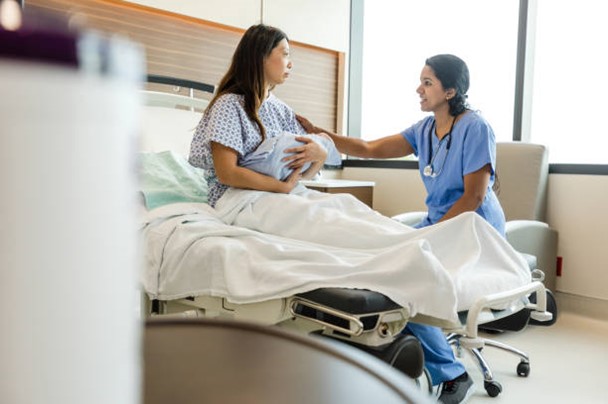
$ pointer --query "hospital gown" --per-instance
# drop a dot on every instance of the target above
(227, 123)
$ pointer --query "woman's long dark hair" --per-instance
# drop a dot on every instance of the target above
(453, 73)
(245, 76)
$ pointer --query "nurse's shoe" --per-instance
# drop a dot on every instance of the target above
(457, 390)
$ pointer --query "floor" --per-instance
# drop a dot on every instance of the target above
(568, 362)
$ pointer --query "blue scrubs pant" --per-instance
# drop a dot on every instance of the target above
(439, 358)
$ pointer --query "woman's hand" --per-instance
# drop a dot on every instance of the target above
(291, 181)
(309, 152)
(230, 173)
(307, 125)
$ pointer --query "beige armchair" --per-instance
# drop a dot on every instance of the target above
(523, 171)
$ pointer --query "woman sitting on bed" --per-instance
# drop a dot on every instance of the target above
(243, 114)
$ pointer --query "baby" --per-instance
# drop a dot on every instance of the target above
(266, 159)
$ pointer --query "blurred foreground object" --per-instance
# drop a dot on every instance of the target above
(68, 252)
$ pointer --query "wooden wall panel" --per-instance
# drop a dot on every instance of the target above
(194, 49)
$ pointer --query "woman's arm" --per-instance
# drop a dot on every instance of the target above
(385, 147)
(475, 188)
(230, 173)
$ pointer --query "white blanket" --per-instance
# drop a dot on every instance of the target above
(258, 246)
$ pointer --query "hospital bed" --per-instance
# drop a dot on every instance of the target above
(363, 317)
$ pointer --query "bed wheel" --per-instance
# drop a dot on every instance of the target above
(551, 308)
(523, 369)
(493, 388)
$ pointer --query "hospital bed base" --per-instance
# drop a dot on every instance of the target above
(365, 319)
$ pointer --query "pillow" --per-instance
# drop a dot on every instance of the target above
(167, 177)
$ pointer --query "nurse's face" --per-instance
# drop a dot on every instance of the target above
(278, 64)
(432, 94)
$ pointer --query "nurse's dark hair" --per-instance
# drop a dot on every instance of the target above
(453, 73)
(245, 76)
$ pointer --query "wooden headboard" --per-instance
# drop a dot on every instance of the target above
(194, 49)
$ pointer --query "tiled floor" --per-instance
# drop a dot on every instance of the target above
(569, 363)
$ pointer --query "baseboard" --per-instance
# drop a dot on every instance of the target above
(582, 305)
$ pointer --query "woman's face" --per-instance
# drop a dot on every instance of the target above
(431, 91)
(277, 65)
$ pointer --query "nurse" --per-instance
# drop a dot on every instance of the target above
(456, 149)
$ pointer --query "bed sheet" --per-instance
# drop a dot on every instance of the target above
(192, 251)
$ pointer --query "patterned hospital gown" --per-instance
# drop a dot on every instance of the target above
(227, 123)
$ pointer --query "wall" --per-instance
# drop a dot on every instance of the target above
(236, 13)
(577, 209)
(317, 22)
(331, 29)
(396, 190)
(331, 18)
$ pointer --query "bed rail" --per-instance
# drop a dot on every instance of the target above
(172, 81)
(169, 100)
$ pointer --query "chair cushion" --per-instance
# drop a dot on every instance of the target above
(522, 170)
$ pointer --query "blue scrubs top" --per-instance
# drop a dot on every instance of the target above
(473, 146)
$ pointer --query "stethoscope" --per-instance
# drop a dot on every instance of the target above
(429, 169)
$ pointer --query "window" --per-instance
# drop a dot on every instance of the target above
(570, 89)
(399, 35)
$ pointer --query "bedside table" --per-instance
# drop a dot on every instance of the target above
(362, 190)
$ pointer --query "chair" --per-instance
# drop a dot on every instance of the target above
(522, 172)
(224, 361)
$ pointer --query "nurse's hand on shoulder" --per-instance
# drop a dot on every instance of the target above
(307, 125)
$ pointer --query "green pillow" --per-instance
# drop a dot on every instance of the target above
(167, 177)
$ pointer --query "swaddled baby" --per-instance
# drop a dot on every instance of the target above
(266, 159)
